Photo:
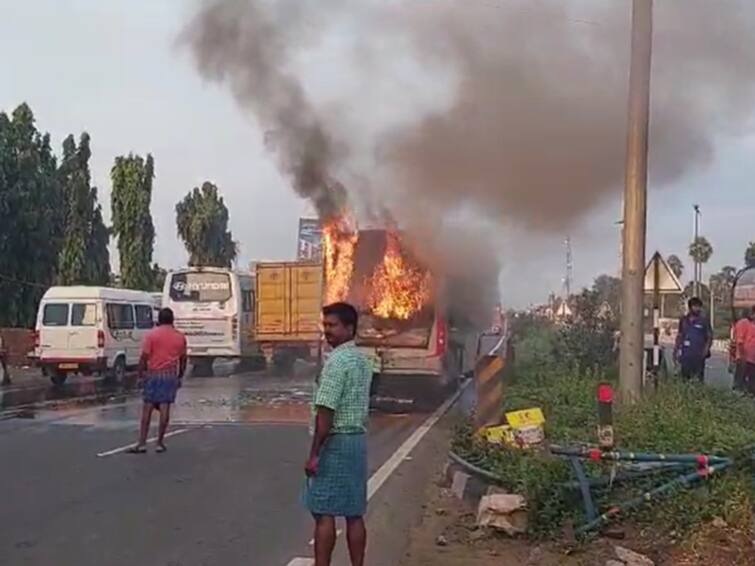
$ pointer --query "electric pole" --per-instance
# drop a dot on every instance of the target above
(695, 236)
(569, 273)
(635, 204)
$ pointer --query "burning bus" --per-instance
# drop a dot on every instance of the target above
(403, 325)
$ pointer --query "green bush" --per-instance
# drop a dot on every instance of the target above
(678, 418)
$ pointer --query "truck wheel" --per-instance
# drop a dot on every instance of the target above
(202, 367)
(118, 373)
(58, 377)
(253, 363)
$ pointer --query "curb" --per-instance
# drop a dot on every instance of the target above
(466, 485)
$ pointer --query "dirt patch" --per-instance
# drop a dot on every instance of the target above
(447, 536)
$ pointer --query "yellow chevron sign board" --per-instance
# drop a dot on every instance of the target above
(489, 389)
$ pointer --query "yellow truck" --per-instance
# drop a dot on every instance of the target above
(287, 308)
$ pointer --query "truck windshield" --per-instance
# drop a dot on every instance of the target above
(199, 287)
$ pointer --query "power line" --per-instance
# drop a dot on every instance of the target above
(22, 282)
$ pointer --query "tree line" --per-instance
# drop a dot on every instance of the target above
(602, 301)
(52, 230)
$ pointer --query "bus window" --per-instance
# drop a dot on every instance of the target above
(246, 301)
(200, 287)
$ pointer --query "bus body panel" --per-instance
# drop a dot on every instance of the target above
(213, 307)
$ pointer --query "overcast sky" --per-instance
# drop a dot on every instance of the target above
(112, 68)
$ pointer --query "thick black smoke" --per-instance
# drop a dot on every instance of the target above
(534, 129)
(247, 45)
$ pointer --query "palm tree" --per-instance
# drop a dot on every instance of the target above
(700, 251)
(750, 255)
(676, 265)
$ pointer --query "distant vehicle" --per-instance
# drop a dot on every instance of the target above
(742, 299)
(287, 309)
(214, 308)
(90, 330)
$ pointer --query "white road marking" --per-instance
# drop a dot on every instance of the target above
(128, 446)
(400, 455)
(339, 532)
(386, 470)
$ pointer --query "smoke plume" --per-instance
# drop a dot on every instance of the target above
(241, 43)
(520, 114)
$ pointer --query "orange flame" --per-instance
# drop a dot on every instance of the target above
(339, 240)
(399, 290)
(396, 289)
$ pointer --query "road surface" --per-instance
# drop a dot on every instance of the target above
(226, 492)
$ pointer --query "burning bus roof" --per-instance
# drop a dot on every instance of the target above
(374, 270)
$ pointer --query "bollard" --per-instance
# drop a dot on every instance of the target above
(605, 416)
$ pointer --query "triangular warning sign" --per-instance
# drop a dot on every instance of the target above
(668, 283)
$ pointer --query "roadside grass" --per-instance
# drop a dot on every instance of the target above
(678, 418)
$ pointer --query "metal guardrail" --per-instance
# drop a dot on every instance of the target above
(647, 464)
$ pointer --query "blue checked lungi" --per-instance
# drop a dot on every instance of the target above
(161, 387)
(340, 487)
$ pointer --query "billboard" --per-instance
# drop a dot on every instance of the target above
(310, 239)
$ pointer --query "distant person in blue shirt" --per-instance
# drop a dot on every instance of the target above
(693, 342)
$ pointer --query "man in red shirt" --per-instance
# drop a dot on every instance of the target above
(744, 334)
(164, 359)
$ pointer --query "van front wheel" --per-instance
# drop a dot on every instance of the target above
(58, 377)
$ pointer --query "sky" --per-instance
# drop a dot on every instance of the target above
(114, 69)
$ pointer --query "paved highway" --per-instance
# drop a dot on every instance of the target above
(227, 491)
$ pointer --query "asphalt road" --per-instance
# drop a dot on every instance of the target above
(227, 491)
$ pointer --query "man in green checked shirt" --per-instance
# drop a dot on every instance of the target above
(337, 465)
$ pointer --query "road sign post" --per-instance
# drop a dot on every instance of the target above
(660, 280)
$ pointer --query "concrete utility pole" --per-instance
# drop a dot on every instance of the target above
(695, 236)
(569, 269)
(635, 204)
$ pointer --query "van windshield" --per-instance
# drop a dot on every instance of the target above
(198, 287)
(55, 314)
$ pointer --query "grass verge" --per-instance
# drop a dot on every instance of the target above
(679, 417)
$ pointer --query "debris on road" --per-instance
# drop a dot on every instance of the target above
(504, 512)
(632, 558)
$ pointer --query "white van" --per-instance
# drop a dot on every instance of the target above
(90, 330)
(214, 308)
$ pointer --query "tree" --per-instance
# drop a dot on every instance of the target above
(676, 265)
(132, 221)
(721, 285)
(202, 221)
(750, 255)
(608, 290)
(690, 291)
(31, 216)
(98, 254)
(158, 277)
(84, 257)
(700, 250)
